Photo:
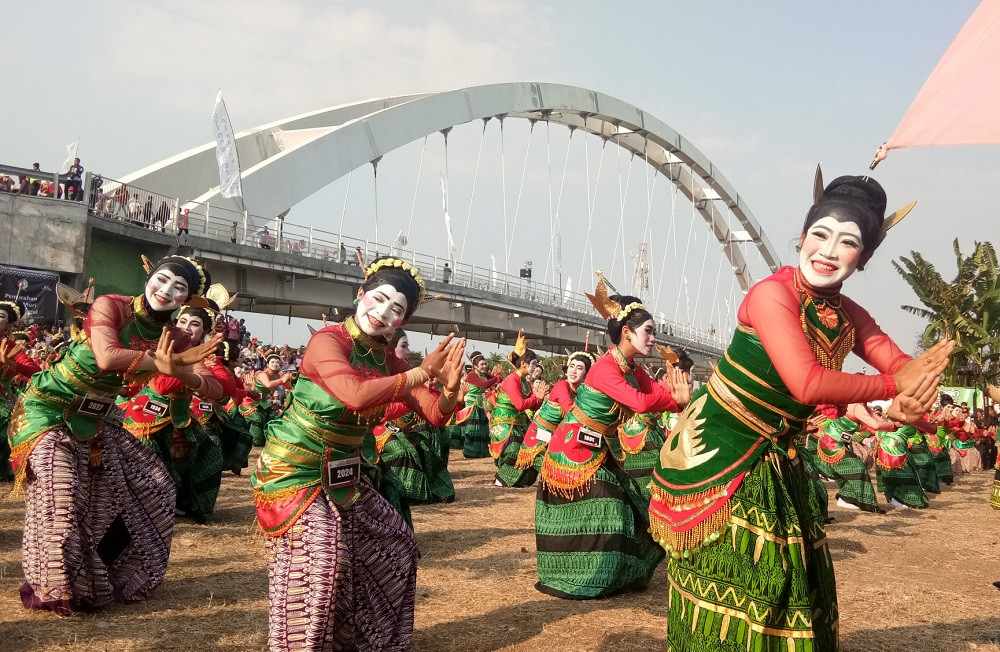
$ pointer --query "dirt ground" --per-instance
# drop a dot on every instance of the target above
(910, 580)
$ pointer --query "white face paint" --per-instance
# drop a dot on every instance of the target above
(830, 252)
(193, 326)
(575, 371)
(274, 364)
(481, 366)
(166, 291)
(4, 321)
(643, 338)
(381, 311)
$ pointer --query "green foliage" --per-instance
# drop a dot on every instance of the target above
(966, 308)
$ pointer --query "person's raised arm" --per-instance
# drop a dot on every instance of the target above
(511, 386)
(605, 377)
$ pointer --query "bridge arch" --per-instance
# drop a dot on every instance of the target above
(288, 160)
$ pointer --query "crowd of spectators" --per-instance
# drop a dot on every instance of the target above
(70, 185)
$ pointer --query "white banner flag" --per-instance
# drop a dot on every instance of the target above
(568, 294)
(72, 151)
(230, 184)
(447, 219)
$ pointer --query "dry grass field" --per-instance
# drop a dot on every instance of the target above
(909, 581)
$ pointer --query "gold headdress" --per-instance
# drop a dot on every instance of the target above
(14, 308)
(606, 306)
(149, 268)
(399, 263)
(520, 346)
(215, 301)
(668, 355)
(584, 356)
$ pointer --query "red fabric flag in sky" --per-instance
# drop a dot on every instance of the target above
(959, 104)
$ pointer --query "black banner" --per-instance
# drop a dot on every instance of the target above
(35, 289)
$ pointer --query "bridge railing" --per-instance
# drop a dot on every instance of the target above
(115, 200)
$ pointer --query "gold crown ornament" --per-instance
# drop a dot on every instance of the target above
(13, 308)
(399, 263)
(607, 307)
(520, 346)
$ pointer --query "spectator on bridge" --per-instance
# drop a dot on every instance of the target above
(183, 221)
(135, 209)
(359, 257)
(6, 184)
(24, 186)
(162, 216)
(446, 274)
(74, 185)
(264, 238)
(147, 212)
(343, 254)
(36, 184)
(234, 232)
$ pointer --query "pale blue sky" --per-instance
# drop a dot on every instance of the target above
(765, 89)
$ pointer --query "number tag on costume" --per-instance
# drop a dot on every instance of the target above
(589, 438)
(343, 473)
(95, 406)
(155, 408)
(204, 406)
(541, 434)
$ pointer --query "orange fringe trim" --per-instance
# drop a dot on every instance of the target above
(682, 544)
(632, 444)
(831, 458)
(995, 498)
(570, 481)
(687, 502)
(526, 456)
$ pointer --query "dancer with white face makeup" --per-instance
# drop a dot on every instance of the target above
(470, 429)
(556, 405)
(513, 398)
(342, 565)
(731, 500)
(100, 506)
(590, 529)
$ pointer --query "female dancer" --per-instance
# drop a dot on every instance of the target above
(895, 473)
(343, 563)
(509, 419)
(473, 434)
(731, 502)
(590, 527)
(556, 405)
(100, 506)
(260, 412)
(15, 369)
(407, 447)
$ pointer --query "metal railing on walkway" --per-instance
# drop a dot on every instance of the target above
(111, 199)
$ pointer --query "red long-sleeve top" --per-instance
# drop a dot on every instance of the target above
(473, 378)
(562, 395)
(771, 308)
(105, 319)
(23, 365)
(511, 386)
(649, 396)
(327, 363)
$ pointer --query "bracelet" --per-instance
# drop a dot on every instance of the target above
(400, 380)
(416, 377)
(134, 365)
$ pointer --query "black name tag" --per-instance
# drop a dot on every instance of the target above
(343, 473)
(205, 407)
(155, 408)
(95, 407)
(589, 438)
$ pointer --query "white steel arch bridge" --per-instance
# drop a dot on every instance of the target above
(286, 161)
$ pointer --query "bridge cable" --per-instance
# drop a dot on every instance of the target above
(375, 185)
(343, 211)
(587, 245)
(503, 193)
(672, 189)
(718, 272)
(520, 192)
(621, 218)
(687, 247)
(472, 196)
(548, 168)
(704, 258)
(649, 201)
(557, 220)
(416, 187)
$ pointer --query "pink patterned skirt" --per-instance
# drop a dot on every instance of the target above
(343, 579)
(98, 520)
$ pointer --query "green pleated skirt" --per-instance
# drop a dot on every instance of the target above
(474, 435)
(903, 484)
(414, 459)
(767, 583)
(597, 544)
(508, 474)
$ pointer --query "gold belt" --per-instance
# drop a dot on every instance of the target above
(596, 426)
